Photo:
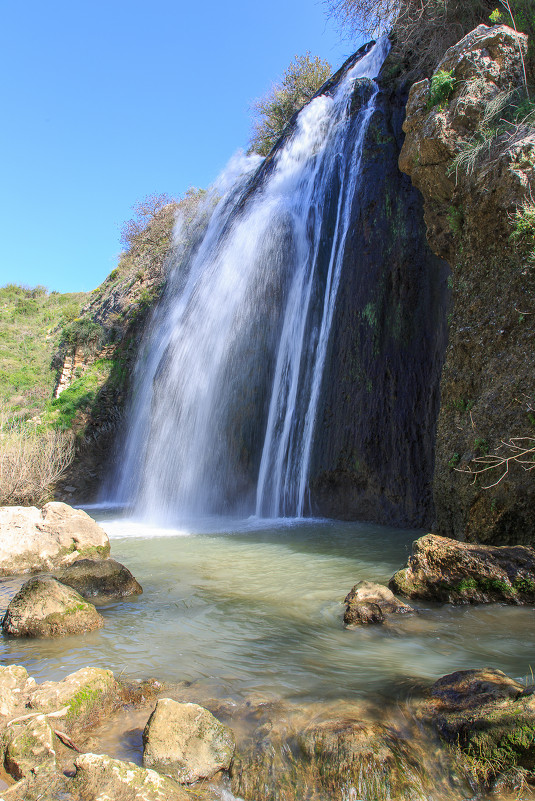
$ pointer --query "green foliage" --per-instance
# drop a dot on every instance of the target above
(442, 86)
(523, 234)
(272, 112)
(454, 461)
(481, 445)
(83, 333)
(30, 328)
(496, 17)
(455, 220)
(80, 396)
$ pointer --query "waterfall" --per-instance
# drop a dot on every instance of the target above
(228, 381)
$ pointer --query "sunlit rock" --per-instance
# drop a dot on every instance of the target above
(43, 607)
(44, 539)
(186, 741)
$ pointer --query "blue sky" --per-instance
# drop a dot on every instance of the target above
(104, 102)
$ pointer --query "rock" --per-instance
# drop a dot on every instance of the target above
(29, 744)
(44, 607)
(363, 614)
(368, 603)
(445, 570)
(490, 720)
(15, 686)
(48, 538)
(86, 695)
(186, 741)
(100, 578)
(100, 777)
(471, 213)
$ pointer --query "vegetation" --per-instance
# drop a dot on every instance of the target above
(442, 86)
(31, 461)
(272, 112)
(31, 321)
(422, 30)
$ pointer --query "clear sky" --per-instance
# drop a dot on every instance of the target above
(106, 101)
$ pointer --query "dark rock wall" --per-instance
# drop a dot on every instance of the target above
(373, 453)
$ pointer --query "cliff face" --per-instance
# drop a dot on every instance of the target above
(374, 442)
(471, 153)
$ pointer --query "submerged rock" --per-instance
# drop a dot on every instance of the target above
(43, 607)
(100, 578)
(445, 570)
(368, 603)
(100, 777)
(186, 741)
(45, 539)
(490, 720)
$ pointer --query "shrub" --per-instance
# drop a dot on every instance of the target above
(83, 333)
(273, 111)
(31, 462)
(442, 86)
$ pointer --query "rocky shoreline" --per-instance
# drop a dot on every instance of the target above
(470, 731)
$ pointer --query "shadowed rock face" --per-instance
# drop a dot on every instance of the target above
(374, 443)
(100, 578)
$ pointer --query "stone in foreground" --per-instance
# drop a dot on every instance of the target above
(441, 569)
(29, 744)
(100, 578)
(43, 607)
(48, 538)
(186, 741)
(87, 694)
(100, 777)
(368, 603)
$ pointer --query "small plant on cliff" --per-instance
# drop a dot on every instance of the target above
(272, 112)
(524, 228)
(442, 86)
(83, 333)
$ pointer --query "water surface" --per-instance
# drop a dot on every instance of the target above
(254, 606)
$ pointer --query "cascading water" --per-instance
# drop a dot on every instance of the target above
(227, 387)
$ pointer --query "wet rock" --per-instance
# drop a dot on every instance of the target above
(29, 744)
(100, 777)
(100, 578)
(85, 696)
(44, 607)
(490, 720)
(368, 603)
(186, 741)
(40, 785)
(45, 539)
(459, 572)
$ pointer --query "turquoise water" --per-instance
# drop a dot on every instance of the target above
(256, 607)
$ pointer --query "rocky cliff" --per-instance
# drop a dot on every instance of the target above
(470, 150)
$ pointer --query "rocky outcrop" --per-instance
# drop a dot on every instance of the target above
(29, 744)
(186, 742)
(98, 777)
(476, 173)
(43, 607)
(442, 569)
(104, 579)
(48, 538)
(369, 603)
(82, 697)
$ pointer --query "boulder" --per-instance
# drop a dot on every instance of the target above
(48, 538)
(100, 777)
(100, 578)
(368, 603)
(186, 741)
(44, 607)
(489, 719)
(28, 744)
(446, 570)
(84, 696)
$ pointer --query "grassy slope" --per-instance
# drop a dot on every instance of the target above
(31, 322)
